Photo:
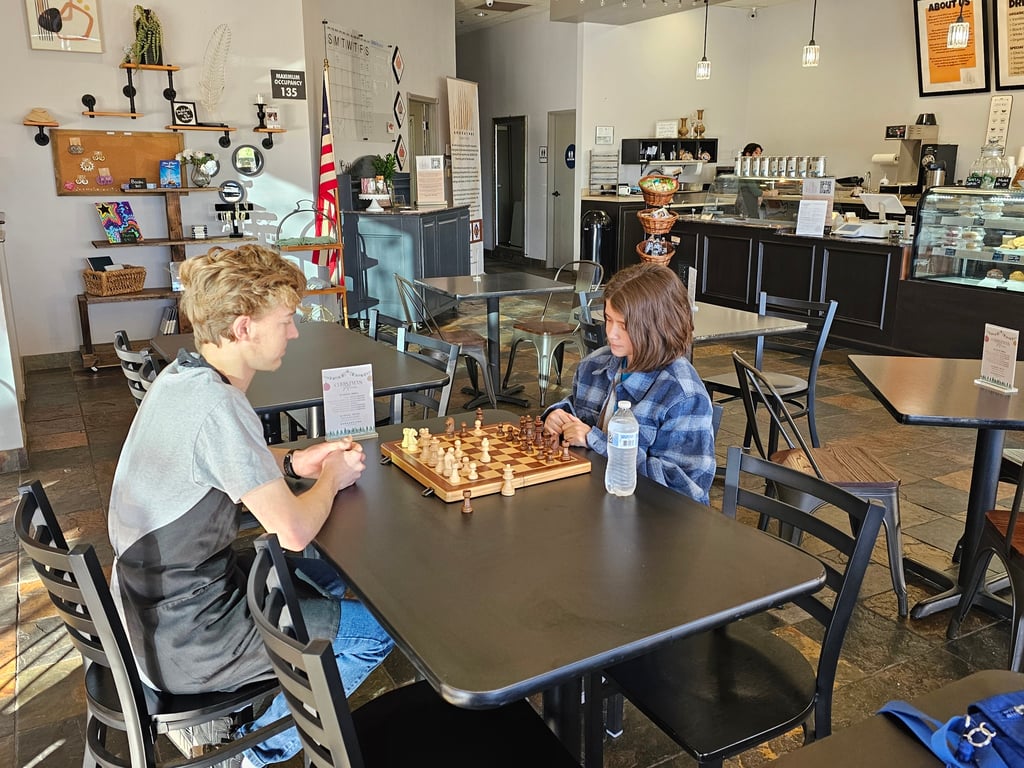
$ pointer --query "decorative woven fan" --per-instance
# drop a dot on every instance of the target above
(211, 82)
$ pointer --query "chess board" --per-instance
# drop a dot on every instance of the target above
(529, 469)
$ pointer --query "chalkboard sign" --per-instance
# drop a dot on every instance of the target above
(99, 162)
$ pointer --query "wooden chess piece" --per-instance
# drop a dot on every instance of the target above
(464, 432)
(454, 478)
(405, 438)
(538, 423)
(467, 505)
(485, 457)
(507, 489)
(449, 427)
(477, 430)
(413, 445)
(472, 471)
(565, 451)
(449, 460)
(538, 435)
(458, 449)
(480, 415)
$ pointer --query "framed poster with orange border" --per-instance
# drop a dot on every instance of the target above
(942, 70)
(1008, 36)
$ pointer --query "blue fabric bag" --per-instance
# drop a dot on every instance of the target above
(990, 735)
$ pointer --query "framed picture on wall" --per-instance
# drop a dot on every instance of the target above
(1008, 23)
(71, 25)
(942, 70)
(184, 113)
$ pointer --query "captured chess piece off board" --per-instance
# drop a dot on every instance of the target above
(479, 457)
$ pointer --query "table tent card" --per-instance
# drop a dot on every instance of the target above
(999, 359)
(348, 402)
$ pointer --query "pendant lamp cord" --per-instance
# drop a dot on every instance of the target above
(706, 27)
(814, 18)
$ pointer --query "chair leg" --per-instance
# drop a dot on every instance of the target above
(1016, 633)
(544, 361)
(970, 590)
(812, 427)
(489, 386)
(511, 360)
(894, 544)
(614, 706)
(471, 368)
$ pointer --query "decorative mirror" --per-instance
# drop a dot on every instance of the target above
(247, 160)
(232, 192)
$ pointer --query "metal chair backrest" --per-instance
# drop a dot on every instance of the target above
(756, 390)
(131, 364)
(593, 329)
(78, 589)
(832, 606)
(415, 309)
(810, 343)
(306, 668)
(588, 278)
(149, 371)
(437, 354)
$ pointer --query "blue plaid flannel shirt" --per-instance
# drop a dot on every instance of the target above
(677, 445)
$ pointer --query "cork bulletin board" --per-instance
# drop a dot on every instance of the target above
(99, 162)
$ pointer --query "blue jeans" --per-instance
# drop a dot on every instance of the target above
(360, 646)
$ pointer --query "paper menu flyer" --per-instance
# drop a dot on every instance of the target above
(999, 359)
(348, 401)
(811, 217)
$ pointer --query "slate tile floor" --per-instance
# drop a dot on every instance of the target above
(76, 422)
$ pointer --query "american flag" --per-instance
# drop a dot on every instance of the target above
(327, 194)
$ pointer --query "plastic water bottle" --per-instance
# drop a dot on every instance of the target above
(623, 436)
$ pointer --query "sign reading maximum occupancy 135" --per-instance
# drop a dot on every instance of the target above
(287, 84)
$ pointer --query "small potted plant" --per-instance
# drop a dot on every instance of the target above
(147, 48)
(384, 168)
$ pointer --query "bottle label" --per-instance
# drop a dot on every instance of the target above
(623, 440)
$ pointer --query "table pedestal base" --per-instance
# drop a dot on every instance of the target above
(502, 396)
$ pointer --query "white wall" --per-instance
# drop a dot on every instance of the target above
(48, 236)
(424, 31)
(526, 67)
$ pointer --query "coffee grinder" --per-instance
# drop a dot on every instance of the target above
(938, 165)
(911, 139)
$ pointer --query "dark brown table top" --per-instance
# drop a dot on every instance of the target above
(298, 384)
(532, 590)
(939, 392)
(714, 323)
(881, 743)
(494, 285)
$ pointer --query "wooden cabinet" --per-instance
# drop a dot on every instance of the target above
(641, 151)
(413, 243)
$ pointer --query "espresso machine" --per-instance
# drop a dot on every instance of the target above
(909, 171)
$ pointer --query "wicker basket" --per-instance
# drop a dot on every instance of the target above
(663, 259)
(658, 199)
(656, 225)
(127, 280)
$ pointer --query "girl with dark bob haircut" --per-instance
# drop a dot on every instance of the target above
(649, 327)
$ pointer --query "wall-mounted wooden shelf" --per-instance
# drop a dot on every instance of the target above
(42, 138)
(129, 90)
(173, 241)
(132, 115)
(224, 141)
(268, 142)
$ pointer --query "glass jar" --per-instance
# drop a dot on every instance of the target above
(990, 165)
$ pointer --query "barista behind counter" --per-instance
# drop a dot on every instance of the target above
(749, 194)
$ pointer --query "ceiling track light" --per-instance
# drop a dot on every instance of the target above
(812, 51)
(704, 66)
(959, 34)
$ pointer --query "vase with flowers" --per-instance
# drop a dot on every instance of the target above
(203, 166)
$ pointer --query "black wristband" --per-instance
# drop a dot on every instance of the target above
(289, 470)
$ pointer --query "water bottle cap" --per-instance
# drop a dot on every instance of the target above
(625, 404)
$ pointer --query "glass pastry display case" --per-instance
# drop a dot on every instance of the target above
(970, 237)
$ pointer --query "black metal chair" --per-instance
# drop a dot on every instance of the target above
(116, 697)
(472, 346)
(849, 467)
(1001, 537)
(442, 355)
(797, 392)
(407, 726)
(591, 326)
(131, 364)
(724, 691)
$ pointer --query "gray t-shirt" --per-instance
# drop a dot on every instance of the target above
(194, 449)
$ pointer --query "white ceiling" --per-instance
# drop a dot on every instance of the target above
(471, 15)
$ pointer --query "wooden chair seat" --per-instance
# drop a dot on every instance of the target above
(845, 466)
(550, 327)
(999, 521)
(463, 337)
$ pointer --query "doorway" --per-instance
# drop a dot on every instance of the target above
(422, 110)
(510, 186)
(562, 186)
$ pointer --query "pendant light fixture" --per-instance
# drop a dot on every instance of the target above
(704, 66)
(812, 51)
(959, 31)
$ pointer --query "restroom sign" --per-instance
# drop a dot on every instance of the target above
(570, 156)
